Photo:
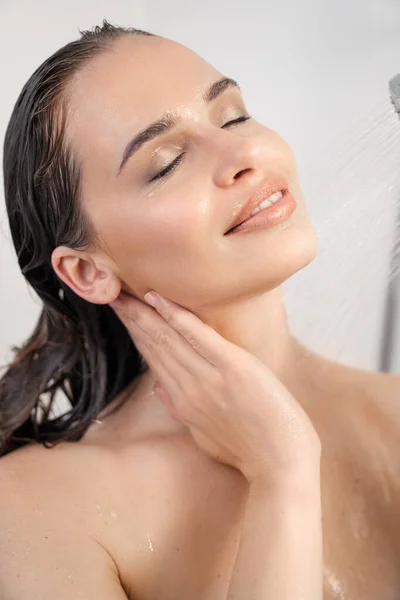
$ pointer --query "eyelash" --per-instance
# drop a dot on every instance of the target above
(179, 158)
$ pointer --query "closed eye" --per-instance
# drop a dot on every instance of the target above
(179, 158)
(238, 120)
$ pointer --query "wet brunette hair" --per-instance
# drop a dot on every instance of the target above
(78, 348)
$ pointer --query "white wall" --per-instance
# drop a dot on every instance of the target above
(317, 72)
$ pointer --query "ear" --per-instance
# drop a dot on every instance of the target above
(88, 275)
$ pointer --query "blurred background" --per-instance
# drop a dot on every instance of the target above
(317, 73)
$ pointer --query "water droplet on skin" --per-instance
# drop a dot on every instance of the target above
(150, 544)
(335, 586)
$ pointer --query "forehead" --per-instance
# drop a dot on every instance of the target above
(122, 90)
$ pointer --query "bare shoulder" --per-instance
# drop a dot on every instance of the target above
(362, 388)
(50, 541)
(360, 414)
(369, 413)
(382, 410)
(378, 395)
(50, 476)
(77, 516)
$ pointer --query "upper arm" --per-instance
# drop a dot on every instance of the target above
(46, 577)
(44, 556)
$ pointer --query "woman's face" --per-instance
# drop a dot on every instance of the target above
(167, 233)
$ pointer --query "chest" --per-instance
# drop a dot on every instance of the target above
(189, 550)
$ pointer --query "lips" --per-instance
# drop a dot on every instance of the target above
(270, 186)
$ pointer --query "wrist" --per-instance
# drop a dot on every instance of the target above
(305, 484)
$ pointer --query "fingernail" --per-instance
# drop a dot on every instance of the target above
(153, 299)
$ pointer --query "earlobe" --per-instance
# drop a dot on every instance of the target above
(93, 282)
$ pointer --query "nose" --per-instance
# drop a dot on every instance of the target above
(238, 157)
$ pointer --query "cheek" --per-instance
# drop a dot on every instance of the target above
(159, 255)
(145, 245)
(181, 218)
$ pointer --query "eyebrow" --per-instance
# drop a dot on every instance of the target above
(166, 123)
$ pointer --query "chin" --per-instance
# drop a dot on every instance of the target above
(289, 250)
(285, 253)
(297, 246)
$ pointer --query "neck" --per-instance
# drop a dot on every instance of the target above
(260, 326)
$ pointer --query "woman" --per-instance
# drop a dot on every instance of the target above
(207, 454)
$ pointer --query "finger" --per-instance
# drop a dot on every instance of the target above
(172, 349)
(201, 337)
(168, 386)
(183, 373)
(167, 400)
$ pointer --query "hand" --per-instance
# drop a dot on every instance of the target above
(237, 411)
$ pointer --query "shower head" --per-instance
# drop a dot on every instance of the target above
(391, 324)
(394, 88)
